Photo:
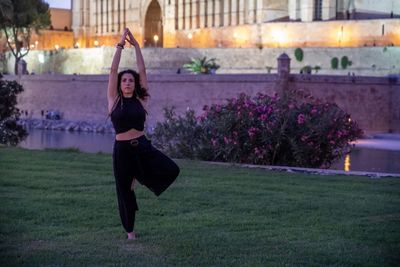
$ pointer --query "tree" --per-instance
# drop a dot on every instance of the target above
(17, 21)
(11, 133)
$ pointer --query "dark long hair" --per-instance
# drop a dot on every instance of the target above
(139, 91)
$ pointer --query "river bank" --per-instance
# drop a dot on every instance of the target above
(65, 125)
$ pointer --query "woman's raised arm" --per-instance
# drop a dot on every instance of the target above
(112, 91)
(139, 61)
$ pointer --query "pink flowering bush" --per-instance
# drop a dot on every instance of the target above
(295, 130)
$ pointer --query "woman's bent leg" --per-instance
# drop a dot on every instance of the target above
(159, 171)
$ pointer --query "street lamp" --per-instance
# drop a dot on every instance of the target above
(340, 36)
(155, 39)
(41, 61)
(190, 36)
(41, 58)
(235, 39)
(279, 36)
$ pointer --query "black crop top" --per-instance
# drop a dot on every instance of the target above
(128, 114)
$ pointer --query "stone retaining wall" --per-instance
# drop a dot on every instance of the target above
(366, 61)
(372, 101)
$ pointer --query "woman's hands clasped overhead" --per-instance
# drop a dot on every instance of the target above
(123, 38)
(131, 39)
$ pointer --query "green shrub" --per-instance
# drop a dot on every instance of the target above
(202, 66)
(298, 54)
(344, 62)
(334, 63)
(294, 130)
(10, 132)
(306, 69)
(180, 136)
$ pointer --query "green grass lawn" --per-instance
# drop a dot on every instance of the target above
(58, 208)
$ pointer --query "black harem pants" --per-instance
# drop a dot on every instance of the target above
(138, 159)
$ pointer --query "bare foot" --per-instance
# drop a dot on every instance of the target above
(133, 184)
(131, 236)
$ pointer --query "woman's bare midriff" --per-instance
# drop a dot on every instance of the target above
(128, 135)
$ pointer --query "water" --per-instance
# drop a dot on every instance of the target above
(360, 159)
(86, 142)
(370, 160)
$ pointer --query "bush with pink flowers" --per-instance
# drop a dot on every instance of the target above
(294, 130)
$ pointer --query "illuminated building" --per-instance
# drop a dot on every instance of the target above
(238, 23)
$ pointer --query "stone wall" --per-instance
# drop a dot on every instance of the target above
(369, 100)
(372, 102)
(83, 97)
(366, 61)
(395, 107)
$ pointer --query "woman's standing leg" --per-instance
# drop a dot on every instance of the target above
(124, 173)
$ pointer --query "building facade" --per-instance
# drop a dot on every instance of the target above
(58, 35)
(237, 23)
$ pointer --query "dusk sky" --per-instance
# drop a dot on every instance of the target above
(59, 3)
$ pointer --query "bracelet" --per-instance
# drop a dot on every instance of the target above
(120, 45)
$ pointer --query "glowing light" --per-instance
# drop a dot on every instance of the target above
(155, 37)
(241, 37)
(278, 35)
(340, 35)
(77, 44)
(96, 43)
(57, 46)
(190, 36)
(347, 163)
(32, 46)
(36, 42)
(41, 58)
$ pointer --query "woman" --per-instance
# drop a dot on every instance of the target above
(134, 158)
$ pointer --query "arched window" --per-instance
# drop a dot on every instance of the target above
(318, 10)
